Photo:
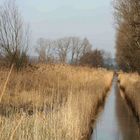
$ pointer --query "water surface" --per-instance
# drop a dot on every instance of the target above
(116, 121)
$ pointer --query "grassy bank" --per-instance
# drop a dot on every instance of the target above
(130, 83)
(51, 102)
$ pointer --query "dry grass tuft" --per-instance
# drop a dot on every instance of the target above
(131, 85)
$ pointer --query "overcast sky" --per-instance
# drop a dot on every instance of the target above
(84, 18)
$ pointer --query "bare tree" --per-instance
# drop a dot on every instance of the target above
(41, 50)
(76, 49)
(127, 14)
(86, 46)
(83, 46)
(63, 48)
(14, 38)
(74, 44)
(45, 50)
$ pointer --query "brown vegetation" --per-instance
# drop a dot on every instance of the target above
(127, 14)
(51, 102)
(92, 59)
(130, 83)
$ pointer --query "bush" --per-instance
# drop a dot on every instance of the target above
(92, 59)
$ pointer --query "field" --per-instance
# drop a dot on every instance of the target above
(130, 83)
(51, 102)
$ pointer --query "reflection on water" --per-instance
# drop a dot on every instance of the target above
(116, 122)
(127, 123)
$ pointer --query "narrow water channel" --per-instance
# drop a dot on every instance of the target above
(116, 121)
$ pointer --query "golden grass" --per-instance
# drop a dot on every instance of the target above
(51, 102)
(131, 84)
(5, 84)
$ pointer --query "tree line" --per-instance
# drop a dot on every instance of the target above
(72, 50)
(15, 44)
(127, 15)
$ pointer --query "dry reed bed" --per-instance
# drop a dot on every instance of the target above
(51, 102)
(130, 83)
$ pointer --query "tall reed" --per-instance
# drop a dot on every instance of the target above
(52, 102)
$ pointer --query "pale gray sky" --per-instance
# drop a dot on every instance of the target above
(84, 18)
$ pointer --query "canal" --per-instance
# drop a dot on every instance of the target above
(116, 121)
